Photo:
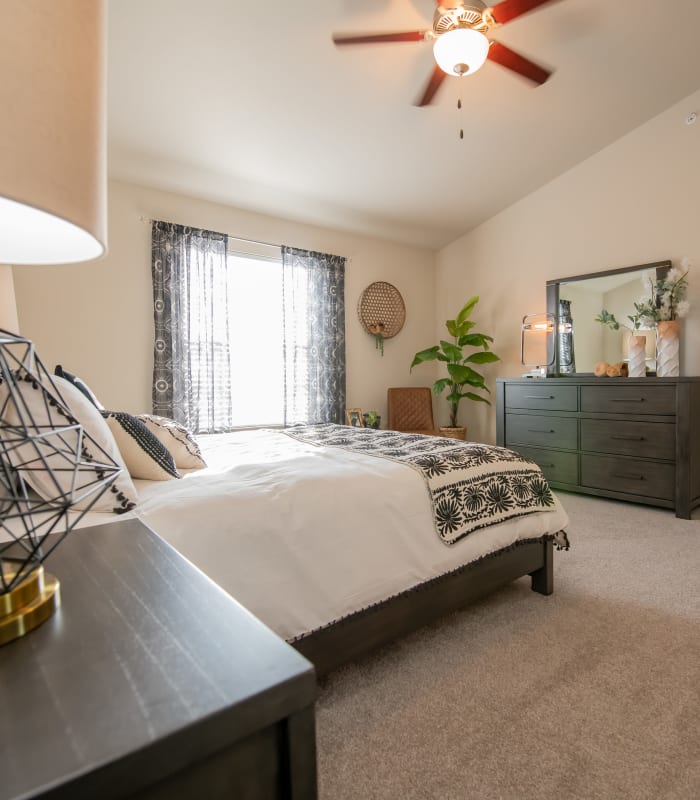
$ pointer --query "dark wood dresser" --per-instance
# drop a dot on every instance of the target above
(634, 439)
(150, 682)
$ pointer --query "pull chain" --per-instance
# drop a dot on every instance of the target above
(459, 106)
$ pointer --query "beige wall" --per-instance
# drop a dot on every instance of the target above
(96, 319)
(635, 202)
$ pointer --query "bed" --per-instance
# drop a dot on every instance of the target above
(336, 548)
(338, 538)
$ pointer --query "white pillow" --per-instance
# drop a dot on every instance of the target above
(98, 447)
(145, 456)
(179, 441)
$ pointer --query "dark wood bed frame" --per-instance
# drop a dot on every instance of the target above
(359, 633)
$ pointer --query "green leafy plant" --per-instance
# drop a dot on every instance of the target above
(606, 318)
(459, 361)
(371, 419)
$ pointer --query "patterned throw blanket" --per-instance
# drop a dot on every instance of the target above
(471, 485)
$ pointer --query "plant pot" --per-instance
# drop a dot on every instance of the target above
(453, 433)
(375, 424)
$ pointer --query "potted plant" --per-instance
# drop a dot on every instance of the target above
(372, 419)
(459, 361)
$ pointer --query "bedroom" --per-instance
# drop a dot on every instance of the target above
(630, 200)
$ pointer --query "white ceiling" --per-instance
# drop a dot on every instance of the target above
(251, 104)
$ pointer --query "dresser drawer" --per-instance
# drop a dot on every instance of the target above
(541, 395)
(633, 476)
(628, 438)
(556, 466)
(542, 431)
(616, 398)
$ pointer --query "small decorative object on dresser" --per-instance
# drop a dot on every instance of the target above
(668, 348)
(537, 344)
(460, 365)
(636, 440)
(604, 370)
(567, 358)
(637, 356)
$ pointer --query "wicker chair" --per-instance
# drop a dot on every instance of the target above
(411, 410)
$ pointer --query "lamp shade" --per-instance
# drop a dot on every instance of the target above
(52, 135)
(461, 51)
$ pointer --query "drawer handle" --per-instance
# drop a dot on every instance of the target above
(629, 477)
(538, 397)
(627, 437)
(627, 399)
(538, 430)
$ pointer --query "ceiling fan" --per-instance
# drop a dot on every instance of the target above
(460, 43)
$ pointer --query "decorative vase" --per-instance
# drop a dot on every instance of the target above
(453, 433)
(567, 361)
(637, 356)
(667, 348)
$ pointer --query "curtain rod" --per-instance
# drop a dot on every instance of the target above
(236, 238)
(150, 221)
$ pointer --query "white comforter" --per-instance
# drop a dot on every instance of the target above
(303, 535)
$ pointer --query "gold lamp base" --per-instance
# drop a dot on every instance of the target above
(29, 604)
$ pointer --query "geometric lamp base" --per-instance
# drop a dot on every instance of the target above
(29, 604)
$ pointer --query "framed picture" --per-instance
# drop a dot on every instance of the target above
(353, 416)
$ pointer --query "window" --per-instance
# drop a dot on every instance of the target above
(245, 338)
(256, 340)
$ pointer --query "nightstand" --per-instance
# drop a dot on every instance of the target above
(151, 682)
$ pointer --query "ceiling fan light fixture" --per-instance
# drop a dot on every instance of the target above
(461, 51)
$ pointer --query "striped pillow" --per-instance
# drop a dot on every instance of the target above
(179, 441)
(145, 457)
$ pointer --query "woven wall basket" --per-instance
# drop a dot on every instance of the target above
(381, 310)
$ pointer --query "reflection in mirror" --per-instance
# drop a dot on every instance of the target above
(581, 341)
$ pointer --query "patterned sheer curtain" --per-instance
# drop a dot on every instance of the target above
(313, 289)
(191, 373)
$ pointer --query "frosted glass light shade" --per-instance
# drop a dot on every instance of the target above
(53, 131)
(537, 340)
(461, 51)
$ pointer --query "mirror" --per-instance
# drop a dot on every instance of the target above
(575, 302)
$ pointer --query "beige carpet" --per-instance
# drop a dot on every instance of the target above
(593, 692)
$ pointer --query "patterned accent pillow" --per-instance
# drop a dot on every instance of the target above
(100, 447)
(79, 384)
(144, 455)
(179, 441)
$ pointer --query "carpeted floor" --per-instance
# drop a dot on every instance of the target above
(593, 692)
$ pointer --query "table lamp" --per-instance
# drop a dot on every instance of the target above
(52, 211)
(537, 344)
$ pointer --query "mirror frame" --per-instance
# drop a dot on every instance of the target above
(661, 267)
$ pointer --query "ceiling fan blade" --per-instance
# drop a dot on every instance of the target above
(511, 60)
(434, 84)
(378, 38)
(510, 9)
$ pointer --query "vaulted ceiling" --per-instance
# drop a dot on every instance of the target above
(252, 104)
